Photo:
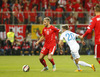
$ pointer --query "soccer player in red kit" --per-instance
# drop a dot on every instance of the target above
(95, 24)
(48, 33)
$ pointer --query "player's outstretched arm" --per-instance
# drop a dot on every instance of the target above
(60, 45)
(81, 37)
(82, 40)
(42, 38)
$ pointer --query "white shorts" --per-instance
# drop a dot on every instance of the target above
(75, 55)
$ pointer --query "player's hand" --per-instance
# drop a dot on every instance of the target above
(61, 52)
(81, 37)
(36, 43)
(83, 42)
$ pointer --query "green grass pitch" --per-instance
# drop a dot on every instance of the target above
(11, 66)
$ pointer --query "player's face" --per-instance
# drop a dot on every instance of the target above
(62, 30)
(45, 23)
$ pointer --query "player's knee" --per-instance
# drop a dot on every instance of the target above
(76, 61)
(49, 57)
(71, 57)
(40, 58)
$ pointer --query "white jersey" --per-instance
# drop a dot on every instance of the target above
(70, 39)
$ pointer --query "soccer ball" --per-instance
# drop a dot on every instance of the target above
(25, 68)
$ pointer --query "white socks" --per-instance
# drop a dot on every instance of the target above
(77, 65)
(84, 63)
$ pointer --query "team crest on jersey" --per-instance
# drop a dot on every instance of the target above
(44, 29)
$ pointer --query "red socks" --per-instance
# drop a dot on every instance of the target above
(43, 62)
(52, 61)
(99, 62)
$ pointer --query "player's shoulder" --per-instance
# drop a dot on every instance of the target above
(96, 17)
(51, 26)
(44, 29)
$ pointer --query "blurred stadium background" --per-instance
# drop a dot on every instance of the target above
(25, 17)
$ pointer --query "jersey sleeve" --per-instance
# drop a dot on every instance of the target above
(43, 32)
(55, 29)
(76, 35)
(61, 37)
(90, 27)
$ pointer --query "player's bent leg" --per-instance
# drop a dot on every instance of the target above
(77, 60)
(75, 57)
(43, 62)
(52, 61)
(76, 63)
(41, 56)
(86, 64)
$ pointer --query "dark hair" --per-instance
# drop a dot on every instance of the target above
(97, 8)
(65, 27)
(11, 30)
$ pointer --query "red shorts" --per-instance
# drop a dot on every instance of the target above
(97, 51)
(46, 50)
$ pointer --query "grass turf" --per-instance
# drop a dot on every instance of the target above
(11, 66)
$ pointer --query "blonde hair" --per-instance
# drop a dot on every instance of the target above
(47, 18)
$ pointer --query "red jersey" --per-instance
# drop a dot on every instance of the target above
(94, 24)
(69, 7)
(44, 3)
(59, 12)
(16, 46)
(52, 2)
(21, 17)
(17, 5)
(49, 13)
(5, 4)
(5, 13)
(71, 20)
(88, 6)
(33, 16)
(80, 9)
(26, 14)
(50, 34)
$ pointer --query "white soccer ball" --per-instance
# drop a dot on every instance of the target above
(25, 68)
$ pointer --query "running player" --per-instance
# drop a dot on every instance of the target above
(48, 33)
(70, 38)
(95, 24)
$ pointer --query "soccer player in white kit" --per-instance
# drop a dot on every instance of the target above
(70, 39)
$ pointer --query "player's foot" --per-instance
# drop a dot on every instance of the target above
(44, 69)
(54, 67)
(93, 67)
(78, 70)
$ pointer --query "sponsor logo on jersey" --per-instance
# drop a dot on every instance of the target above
(98, 19)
